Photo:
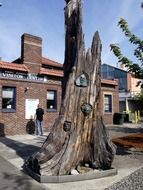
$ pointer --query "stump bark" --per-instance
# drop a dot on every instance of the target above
(78, 136)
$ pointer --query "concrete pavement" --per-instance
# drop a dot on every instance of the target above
(11, 178)
(15, 149)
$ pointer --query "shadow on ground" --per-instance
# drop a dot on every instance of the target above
(126, 129)
(122, 151)
(12, 178)
(21, 149)
(17, 182)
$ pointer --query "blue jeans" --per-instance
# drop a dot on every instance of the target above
(39, 127)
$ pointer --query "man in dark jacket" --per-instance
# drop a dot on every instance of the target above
(39, 120)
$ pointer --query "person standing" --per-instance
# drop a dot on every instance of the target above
(39, 120)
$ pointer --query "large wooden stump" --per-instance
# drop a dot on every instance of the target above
(78, 136)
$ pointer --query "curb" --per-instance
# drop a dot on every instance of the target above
(70, 178)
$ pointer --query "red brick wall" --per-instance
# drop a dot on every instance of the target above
(31, 52)
(15, 123)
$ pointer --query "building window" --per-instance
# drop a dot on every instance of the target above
(107, 103)
(51, 100)
(8, 98)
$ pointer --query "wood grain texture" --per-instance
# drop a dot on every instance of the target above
(87, 141)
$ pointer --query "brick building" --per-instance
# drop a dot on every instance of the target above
(128, 88)
(33, 79)
(24, 83)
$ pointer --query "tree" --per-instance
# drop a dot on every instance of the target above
(78, 136)
(139, 96)
(134, 68)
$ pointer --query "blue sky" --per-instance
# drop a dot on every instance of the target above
(45, 18)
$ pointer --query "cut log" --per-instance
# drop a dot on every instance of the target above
(78, 136)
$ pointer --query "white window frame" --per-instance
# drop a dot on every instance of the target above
(9, 94)
(55, 101)
(108, 94)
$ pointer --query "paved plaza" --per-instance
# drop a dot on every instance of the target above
(15, 149)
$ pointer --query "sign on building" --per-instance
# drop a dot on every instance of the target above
(30, 108)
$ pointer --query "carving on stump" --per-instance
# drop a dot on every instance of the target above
(86, 108)
(76, 138)
(82, 80)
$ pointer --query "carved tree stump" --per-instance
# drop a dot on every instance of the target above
(78, 136)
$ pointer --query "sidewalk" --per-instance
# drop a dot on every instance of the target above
(11, 178)
(14, 149)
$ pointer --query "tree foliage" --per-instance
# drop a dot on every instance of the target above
(139, 96)
(132, 67)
